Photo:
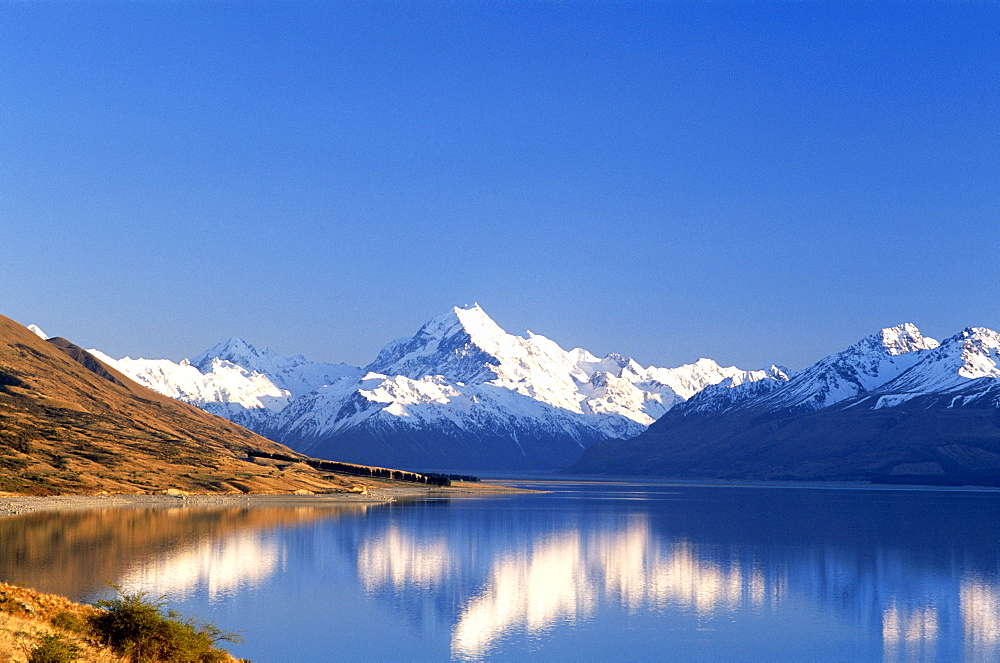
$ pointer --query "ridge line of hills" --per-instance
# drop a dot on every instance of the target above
(463, 394)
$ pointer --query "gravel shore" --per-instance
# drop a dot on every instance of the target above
(11, 505)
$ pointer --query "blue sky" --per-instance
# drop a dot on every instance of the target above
(753, 182)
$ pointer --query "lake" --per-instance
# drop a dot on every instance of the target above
(590, 571)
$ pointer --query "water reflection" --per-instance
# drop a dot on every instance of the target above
(909, 633)
(563, 577)
(160, 550)
(723, 574)
(531, 590)
(981, 619)
(396, 559)
(220, 567)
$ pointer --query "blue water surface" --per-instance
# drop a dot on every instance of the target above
(589, 571)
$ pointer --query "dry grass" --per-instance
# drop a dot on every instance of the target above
(25, 615)
(71, 425)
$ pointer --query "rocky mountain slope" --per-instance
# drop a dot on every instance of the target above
(894, 407)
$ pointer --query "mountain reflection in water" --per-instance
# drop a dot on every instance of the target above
(565, 577)
(172, 550)
(587, 572)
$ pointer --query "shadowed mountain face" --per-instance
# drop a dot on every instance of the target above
(915, 443)
(926, 413)
(70, 424)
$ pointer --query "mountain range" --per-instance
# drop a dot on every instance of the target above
(895, 407)
(461, 393)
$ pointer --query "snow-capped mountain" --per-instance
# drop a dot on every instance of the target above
(37, 331)
(894, 407)
(868, 364)
(462, 392)
(971, 354)
(219, 387)
(465, 346)
(731, 393)
(962, 370)
(233, 379)
(293, 373)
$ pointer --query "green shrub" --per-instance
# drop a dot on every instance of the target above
(136, 627)
(54, 648)
(70, 621)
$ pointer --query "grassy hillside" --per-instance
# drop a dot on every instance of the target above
(70, 424)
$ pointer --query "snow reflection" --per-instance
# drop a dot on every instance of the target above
(909, 633)
(399, 560)
(533, 586)
(565, 577)
(981, 619)
(220, 566)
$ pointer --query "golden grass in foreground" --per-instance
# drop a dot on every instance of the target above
(26, 616)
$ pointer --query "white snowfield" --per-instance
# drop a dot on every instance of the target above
(866, 365)
(221, 382)
(37, 331)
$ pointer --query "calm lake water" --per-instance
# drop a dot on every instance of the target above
(591, 571)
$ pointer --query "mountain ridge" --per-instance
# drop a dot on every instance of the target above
(894, 407)
(463, 394)
(460, 378)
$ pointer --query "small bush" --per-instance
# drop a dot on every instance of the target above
(136, 627)
(18, 440)
(70, 621)
(54, 648)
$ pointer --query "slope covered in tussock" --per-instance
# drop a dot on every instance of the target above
(71, 424)
(45, 627)
(26, 616)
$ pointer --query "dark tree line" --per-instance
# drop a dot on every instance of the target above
(357, 470)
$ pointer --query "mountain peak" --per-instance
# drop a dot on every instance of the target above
(979, 333)
(869, 364)
(904, 338)
(234, 350)
(460, 344)
(472, 320)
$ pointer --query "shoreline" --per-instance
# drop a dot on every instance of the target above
(14, 505)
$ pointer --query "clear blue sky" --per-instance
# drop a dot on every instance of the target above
(752, 182)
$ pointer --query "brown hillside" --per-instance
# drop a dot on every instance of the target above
(70, 424)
